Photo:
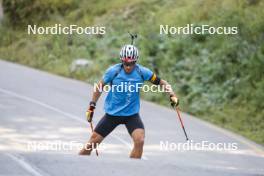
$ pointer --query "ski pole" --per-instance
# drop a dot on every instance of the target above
(179, 116)
(96, 151)
(133, 37)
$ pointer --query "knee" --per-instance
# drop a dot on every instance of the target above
(139, 141)
(95, 138)
(94, 135)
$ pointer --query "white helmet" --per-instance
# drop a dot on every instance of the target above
(129, 53)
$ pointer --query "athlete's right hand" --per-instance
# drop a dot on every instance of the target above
(89, 113)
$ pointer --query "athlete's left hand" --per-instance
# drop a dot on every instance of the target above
(174, 101)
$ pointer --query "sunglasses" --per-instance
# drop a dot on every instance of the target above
(127, 64)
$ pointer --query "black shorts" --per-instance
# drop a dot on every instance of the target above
(108, 123)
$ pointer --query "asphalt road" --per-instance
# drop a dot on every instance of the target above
(41, 110)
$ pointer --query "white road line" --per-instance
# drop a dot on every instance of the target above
(232, 135)
(24, 164)
(61, 112)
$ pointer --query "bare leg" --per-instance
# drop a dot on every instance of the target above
(95, 140)
(138, 136)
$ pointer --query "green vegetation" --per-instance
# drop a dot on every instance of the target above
(219, 78)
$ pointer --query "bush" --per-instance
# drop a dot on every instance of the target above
(35, 11)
